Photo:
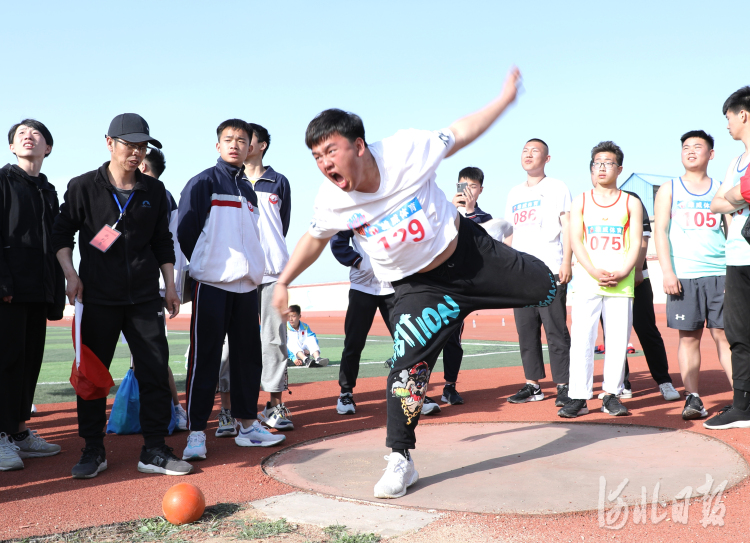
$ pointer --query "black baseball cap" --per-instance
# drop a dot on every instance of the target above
(132, 128)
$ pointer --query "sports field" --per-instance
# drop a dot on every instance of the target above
(54, 387)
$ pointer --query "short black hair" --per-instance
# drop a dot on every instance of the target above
(237, 124)
(156, 161)
(540, 141)
(262, 135)
(737, 101)
(294, 308)
(36, 125)
(473, 173)
(698, 134)
(334, 121)
(608, 147)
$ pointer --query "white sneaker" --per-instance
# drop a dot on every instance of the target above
(33, 409)
(399, 475)
(35, 447)
(345, 405)
(181, 416)
(9, 459)
(257, 436)
(626, 394)
(276, 417)
(227, 424)
(196, 446)
(668, 391)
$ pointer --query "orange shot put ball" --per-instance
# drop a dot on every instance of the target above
(183, 503)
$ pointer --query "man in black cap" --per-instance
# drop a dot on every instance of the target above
(121, 217)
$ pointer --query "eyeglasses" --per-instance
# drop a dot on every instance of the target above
(133, 147)
(607, 165)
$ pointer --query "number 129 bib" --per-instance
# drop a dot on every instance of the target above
(406, 225)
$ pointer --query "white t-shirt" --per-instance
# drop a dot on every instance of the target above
(408, 221)
(535, 215)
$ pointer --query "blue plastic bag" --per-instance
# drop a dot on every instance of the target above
(124, 419)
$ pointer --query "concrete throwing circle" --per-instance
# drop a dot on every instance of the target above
(505, 467)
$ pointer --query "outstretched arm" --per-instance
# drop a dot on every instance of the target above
(469, 128)
(306, 252)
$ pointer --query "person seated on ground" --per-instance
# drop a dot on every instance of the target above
(301, 342)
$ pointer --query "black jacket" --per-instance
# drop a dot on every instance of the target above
(128, 273)
(29, 270)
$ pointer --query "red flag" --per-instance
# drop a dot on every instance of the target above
(89, 377)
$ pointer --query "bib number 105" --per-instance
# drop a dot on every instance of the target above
(692, 220)
(604, 243)
(414, 231)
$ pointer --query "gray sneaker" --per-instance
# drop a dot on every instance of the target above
(35, 447)
(92, 462)
(162, 460)
(227, 424)
(9, 459)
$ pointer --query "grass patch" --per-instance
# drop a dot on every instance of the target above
(258, 529)
(338, 534)
(214, 521)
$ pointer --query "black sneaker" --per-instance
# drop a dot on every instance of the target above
(612, 406)
(573, 408)
(161, 460)
(693, 408)
(430, 406)
(562, 396)
(729, 417)
(529, 393)
(93, 460)
(451, 395)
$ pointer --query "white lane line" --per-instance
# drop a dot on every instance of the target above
(498, 344)
(115, 380)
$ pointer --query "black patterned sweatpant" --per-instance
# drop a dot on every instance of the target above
(429, 307)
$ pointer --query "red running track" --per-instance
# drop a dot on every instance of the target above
(43, 499)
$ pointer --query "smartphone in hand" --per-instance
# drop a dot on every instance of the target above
(460, 187)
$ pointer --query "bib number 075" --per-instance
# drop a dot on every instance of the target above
(602, 243)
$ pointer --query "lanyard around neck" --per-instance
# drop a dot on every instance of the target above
(121, 207)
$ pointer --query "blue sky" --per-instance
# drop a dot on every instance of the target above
(640, 74)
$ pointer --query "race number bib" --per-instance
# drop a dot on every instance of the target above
(527, 214)
(604, 239)
(406, 225)
(695, 215)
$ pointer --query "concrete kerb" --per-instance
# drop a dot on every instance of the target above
(733, 466)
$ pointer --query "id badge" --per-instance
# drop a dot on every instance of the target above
(105, 238)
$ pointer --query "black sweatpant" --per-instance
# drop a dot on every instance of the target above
(481, 274)
(644, 325)
(453, 355)
(737, 323)
(357, 324)
(218, 314)
(529, 322)
(143, 327)
(23, 329)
